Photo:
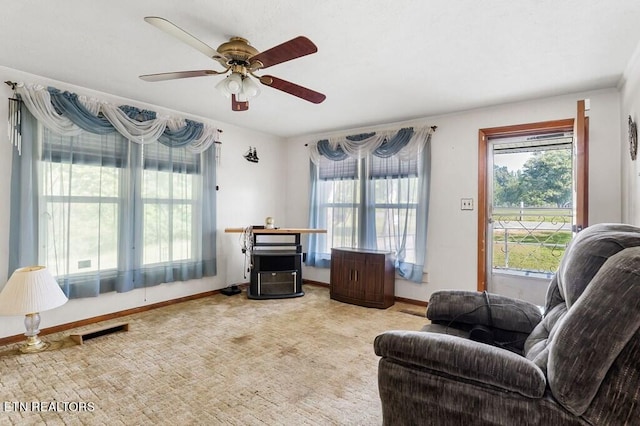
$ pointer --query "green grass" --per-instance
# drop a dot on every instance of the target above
(531, 256)
(528, 258)
(538, 251)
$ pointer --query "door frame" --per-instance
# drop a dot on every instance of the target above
(580, 140)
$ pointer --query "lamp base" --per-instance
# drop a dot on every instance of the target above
(34, 344)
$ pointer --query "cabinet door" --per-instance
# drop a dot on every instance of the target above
(339, 278)
(347, 275)
(374, 277)
(356, 268)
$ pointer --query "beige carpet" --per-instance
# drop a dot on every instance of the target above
(216, 360)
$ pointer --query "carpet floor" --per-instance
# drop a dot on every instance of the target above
(215, 360)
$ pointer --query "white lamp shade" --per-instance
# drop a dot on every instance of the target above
(234, 83)
(250, 88)
(222, 87)
(231, 85)
(30, 290)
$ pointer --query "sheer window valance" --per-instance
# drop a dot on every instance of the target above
(406, 143)
(68, 114)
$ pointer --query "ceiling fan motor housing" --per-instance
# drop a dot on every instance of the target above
(238, 49)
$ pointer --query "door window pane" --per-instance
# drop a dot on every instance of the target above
(532, 215)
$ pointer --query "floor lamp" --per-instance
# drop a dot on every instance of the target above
(28, 292)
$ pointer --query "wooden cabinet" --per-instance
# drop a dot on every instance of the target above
(362, 277)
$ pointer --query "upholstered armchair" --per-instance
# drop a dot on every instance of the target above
(491, 360)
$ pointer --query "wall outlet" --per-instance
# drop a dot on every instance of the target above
(466, 203)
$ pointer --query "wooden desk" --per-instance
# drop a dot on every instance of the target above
(278, 230)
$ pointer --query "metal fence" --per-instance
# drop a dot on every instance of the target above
(530, 239)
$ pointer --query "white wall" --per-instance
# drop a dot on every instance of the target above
(452, 234)
(248, 193)
(630, 106)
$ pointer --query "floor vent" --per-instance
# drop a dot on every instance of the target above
(79, 338)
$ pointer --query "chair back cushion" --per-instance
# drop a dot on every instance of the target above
(549, 344)
(582, 259)
(585, 255)
(593, 333)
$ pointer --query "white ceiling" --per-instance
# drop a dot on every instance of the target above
(378, 61)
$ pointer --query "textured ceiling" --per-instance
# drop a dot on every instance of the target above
(377, 62)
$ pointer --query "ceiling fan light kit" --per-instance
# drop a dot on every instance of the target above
(231, 85)
(241, 61)
(249, 88)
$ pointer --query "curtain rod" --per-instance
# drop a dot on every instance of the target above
(434, 128)
(13, 85)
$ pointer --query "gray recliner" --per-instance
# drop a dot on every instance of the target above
(578, 364)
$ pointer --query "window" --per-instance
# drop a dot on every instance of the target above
(531, 208)
(113, 211)
(169, 198)
(374, 202)
(395, 189)
(79, 202)
(338, 188)
(110, 198)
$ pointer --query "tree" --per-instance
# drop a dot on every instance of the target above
(506, 187)
(546, 179)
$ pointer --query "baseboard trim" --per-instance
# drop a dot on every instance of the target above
(412, 301)
(114, 315)
(316, 283)
(88, 321)
(397, 299)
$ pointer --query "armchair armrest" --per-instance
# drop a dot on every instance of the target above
(470, 307)
(462, 358)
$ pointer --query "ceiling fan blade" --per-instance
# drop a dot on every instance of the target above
(293, 89)
(177, 32)
(236, 105)
(179, 74)
(292, 49)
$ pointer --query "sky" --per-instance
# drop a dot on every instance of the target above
(513, 161)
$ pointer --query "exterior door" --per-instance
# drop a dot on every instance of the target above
(531, 199)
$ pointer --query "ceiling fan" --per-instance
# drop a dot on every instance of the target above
(240, 61)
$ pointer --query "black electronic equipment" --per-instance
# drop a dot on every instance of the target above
(231, 290)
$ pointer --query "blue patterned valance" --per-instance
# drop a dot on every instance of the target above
(67, 113)
(407, 141)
